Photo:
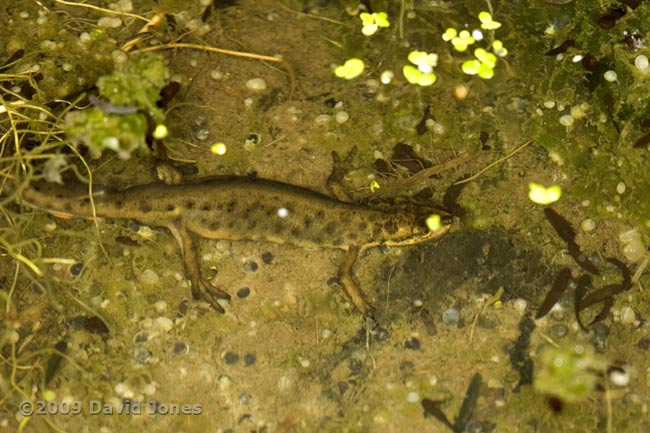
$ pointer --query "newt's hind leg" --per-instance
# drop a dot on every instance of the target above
(339, 170)
(201, 288)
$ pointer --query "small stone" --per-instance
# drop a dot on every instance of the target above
(566, 120)
(141, 337)
(618, 376)
(245, 398)
(610, 76)
(628, 316)
(322, 119)
(451, 316)
(588, 225)
(162, 324)
(149, 277)
(267, 257)
(109, 22)
(412, 343)
(413, 397)
(257, 85)
(634, 250)
(230, 358)
(559, 330)
(620, 188)
(601, 330)
(243, 292)
(249, 359)
(180, 347)
(76, 268)
(201, 133)
(250, 266)
(342, 117)
(641, 62)
(521, 305)
(142, 355)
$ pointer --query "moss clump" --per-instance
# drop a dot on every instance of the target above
(568, 372)
(134, 88)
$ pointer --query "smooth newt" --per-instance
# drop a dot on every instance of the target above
(241, 208)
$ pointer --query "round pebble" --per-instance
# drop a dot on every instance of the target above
(142, 355)
(618, 376)
(141, 337)
(162, 324)
(587, 225)
(610, 76)
(245, 398)
(253, 138)
(559, 330)
(566, 120)
(620, 188)
(149, 277)
(412, 343)
(216, 75)
(601, 330)
(641, 62)
(413, 397)
(521, 305)
(76, 268)
(322, 119)
(634, 250)
(181, 347)
(109, 22)
(201, 133)
(451, 316)
(628, 316)
(250, 266)
(267, 257)
(249, 359)
(342, 117)
(257, 85)
(230, 358)
(243, 292)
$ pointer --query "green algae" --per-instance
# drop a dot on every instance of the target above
(135, 85)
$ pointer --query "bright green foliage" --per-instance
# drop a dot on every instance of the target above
(372, 22)
(540, 194)
(352, 68)
(423, 74)
(487, 23)
(136, 84)
(99, 131)
(569, 372)
(483, 65)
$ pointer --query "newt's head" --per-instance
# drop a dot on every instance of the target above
(415, 226)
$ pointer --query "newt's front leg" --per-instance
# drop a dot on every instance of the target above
(201, 288)
(350, 284)
(348, 281)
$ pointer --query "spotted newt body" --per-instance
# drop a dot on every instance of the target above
(241, 208)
